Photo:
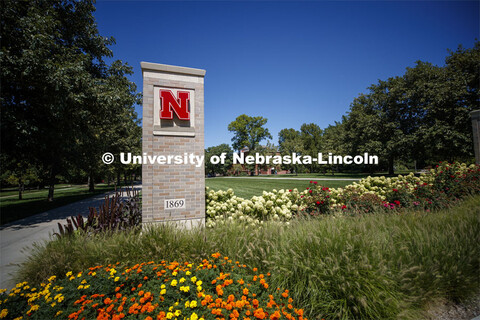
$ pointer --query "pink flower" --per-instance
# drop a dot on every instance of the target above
(344, 207)
(318, 203)
(315, 182)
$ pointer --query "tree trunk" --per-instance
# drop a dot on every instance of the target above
(51, 185)
(390, 166)
(21, 188)
(91, 183)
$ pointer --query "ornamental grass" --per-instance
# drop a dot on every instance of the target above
(218, 288)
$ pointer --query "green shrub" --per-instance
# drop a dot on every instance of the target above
(381, 266)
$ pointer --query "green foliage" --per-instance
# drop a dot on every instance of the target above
(382, 266)
(62, 104)
(290, 141)
(114, 214)
(248, 132)
(219, 168)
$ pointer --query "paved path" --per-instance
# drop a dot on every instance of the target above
(287, 178)
(18, 236)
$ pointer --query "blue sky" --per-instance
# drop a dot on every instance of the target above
(291, 62)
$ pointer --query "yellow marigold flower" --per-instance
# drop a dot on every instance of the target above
(71, 278)
(188, 273)
(199, 283)
(3, 314)
(174, 273)
(163, 291)
(116, 279)
(69, 273)
(80, 287)
(199, 288)
(194, 279)
(83, 281)
(58, 313)
(87, 286)
(3, 290)
(52, 278)
(182, 280)
(53, 304)
(169, 315)
(79, 275)
(187, 304)
(174, 283)
(94, 274)
(162, 286)
(18, 318)
(194, 316)
(193, 304)
(178, 313)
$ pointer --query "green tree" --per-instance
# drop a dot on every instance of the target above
(311, 135)
(334, 141)
(217, 151)
(57, 90)
(290, 141)
(248, 132)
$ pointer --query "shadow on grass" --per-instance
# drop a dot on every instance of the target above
(19, 210)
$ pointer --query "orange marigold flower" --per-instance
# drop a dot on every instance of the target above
(259, 314)
(107, 301)
(255, 269)
(245, 291)
(255, 302)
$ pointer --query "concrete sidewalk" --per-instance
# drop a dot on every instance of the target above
(16, 238)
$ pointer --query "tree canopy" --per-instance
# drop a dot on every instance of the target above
(62, 103)
(248, 131)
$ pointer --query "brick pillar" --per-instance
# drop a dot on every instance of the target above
(163, 137)
(476, 134)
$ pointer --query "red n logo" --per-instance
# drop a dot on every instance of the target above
(179, 106)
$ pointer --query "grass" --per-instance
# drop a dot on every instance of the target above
(12, 192)
(248, 187)
(36, 202)
(378, 266)
(338, 175)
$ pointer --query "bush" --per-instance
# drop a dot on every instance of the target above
(115, 213)
(439, 188)
(376, 266)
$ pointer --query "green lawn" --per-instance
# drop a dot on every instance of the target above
(249, 187)
(12, 209)
(352, 175)
(13, 192)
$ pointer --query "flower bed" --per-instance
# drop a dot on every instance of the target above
(214, 289)
(435, 189)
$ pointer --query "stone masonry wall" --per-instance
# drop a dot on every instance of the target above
(164, 181)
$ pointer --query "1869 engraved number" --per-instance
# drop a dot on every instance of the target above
(175, 204)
